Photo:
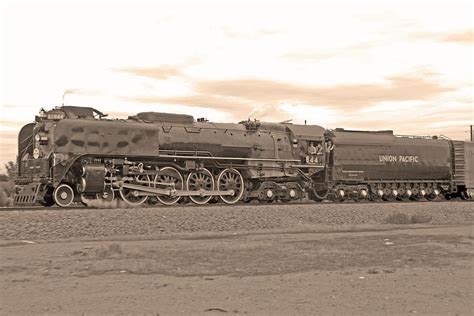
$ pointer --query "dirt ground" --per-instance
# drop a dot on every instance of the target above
(304, 268)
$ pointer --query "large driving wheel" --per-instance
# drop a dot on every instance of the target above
(200, 180)
(230, 179)
(169, 175)
(63, 195)
(133, 197)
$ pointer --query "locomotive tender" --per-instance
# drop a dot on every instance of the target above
(75, 154)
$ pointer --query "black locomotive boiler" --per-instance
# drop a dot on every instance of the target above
(76, 154)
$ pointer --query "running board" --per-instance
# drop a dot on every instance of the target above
(173, 193)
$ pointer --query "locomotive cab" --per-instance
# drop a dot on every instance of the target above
(309, 143)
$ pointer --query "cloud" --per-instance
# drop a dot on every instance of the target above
(406, 87)
(237, 108)
(459, 37)
(262, 99)
(330, 53)
(249, 35)
(225, 104)
(163, 72)
(430, 119)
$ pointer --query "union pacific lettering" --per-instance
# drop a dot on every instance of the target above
(393, 158)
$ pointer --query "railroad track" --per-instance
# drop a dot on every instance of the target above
(82, 207)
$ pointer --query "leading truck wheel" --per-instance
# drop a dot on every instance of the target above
(63, 195)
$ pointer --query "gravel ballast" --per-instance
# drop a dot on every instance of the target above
(53, 224)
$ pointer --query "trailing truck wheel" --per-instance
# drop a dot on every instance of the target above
(169, 175)
(63, 195)
(231, 179)
(133, 197)
(200, 180)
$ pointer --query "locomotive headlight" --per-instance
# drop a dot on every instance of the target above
(36, 153)
(292, 193)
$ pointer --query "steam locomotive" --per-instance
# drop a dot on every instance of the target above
(76, 154)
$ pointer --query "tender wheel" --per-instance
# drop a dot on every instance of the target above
(200, 180)
(172, 176)
(132, 197)
(63, 195)
(375, 194)
(339, 195)
(388, 195)
(230, 179)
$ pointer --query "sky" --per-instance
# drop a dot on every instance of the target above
(404, 66)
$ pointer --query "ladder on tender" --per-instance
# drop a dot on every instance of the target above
(458, 162)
